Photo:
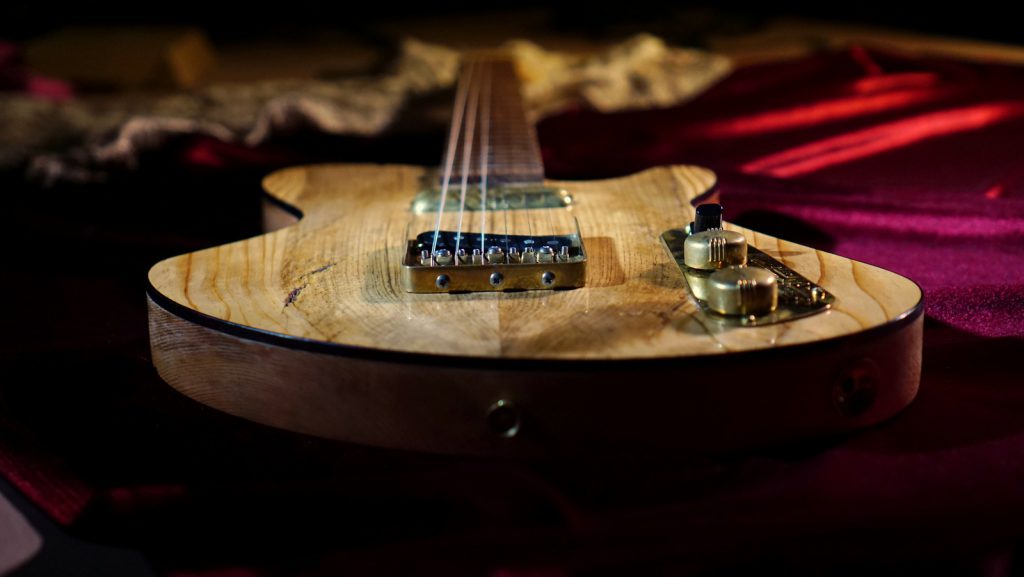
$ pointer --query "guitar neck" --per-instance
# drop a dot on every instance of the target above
(490, 118)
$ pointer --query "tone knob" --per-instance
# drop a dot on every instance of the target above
(742, 290)
(716, 248)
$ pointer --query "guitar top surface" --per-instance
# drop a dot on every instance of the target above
(333, 279)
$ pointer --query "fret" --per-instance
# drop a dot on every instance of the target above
(514, 154)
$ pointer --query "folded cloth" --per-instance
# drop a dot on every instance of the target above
(83, 140)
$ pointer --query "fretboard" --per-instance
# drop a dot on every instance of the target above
(492, 110)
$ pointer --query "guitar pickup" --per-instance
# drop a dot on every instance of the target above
(467, 262)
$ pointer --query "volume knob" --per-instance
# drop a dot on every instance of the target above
(742, 290)
(713, 249)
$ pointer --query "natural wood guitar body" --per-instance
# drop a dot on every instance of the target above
(307, 328)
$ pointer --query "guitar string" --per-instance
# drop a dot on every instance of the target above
(529, 219)
(467, 152)
(504, 200)
(528, 211)
(485, 135)
(505, 209)
(456, 127)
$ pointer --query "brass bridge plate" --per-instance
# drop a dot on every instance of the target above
(506, 262)
(798, 296)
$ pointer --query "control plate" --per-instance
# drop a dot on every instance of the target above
(798, 296)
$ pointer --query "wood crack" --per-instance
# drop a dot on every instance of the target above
(324, 268)
(294, 295)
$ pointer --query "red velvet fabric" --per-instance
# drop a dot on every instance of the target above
(15, 76)
(913, 164)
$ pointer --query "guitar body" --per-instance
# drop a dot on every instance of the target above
(308, 328)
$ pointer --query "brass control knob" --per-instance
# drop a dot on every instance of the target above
(742, 290)
(716, 248)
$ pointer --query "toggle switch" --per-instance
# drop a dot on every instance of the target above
(707, 216)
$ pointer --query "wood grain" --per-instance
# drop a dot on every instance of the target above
(333, 277)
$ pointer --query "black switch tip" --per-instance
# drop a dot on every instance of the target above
(708, 216)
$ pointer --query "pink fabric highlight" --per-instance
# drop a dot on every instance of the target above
(911, 164)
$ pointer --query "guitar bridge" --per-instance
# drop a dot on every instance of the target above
(466, 262)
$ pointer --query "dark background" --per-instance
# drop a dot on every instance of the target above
(986, 19)
(82, 406)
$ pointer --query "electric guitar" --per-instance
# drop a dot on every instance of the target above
(481, 309)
